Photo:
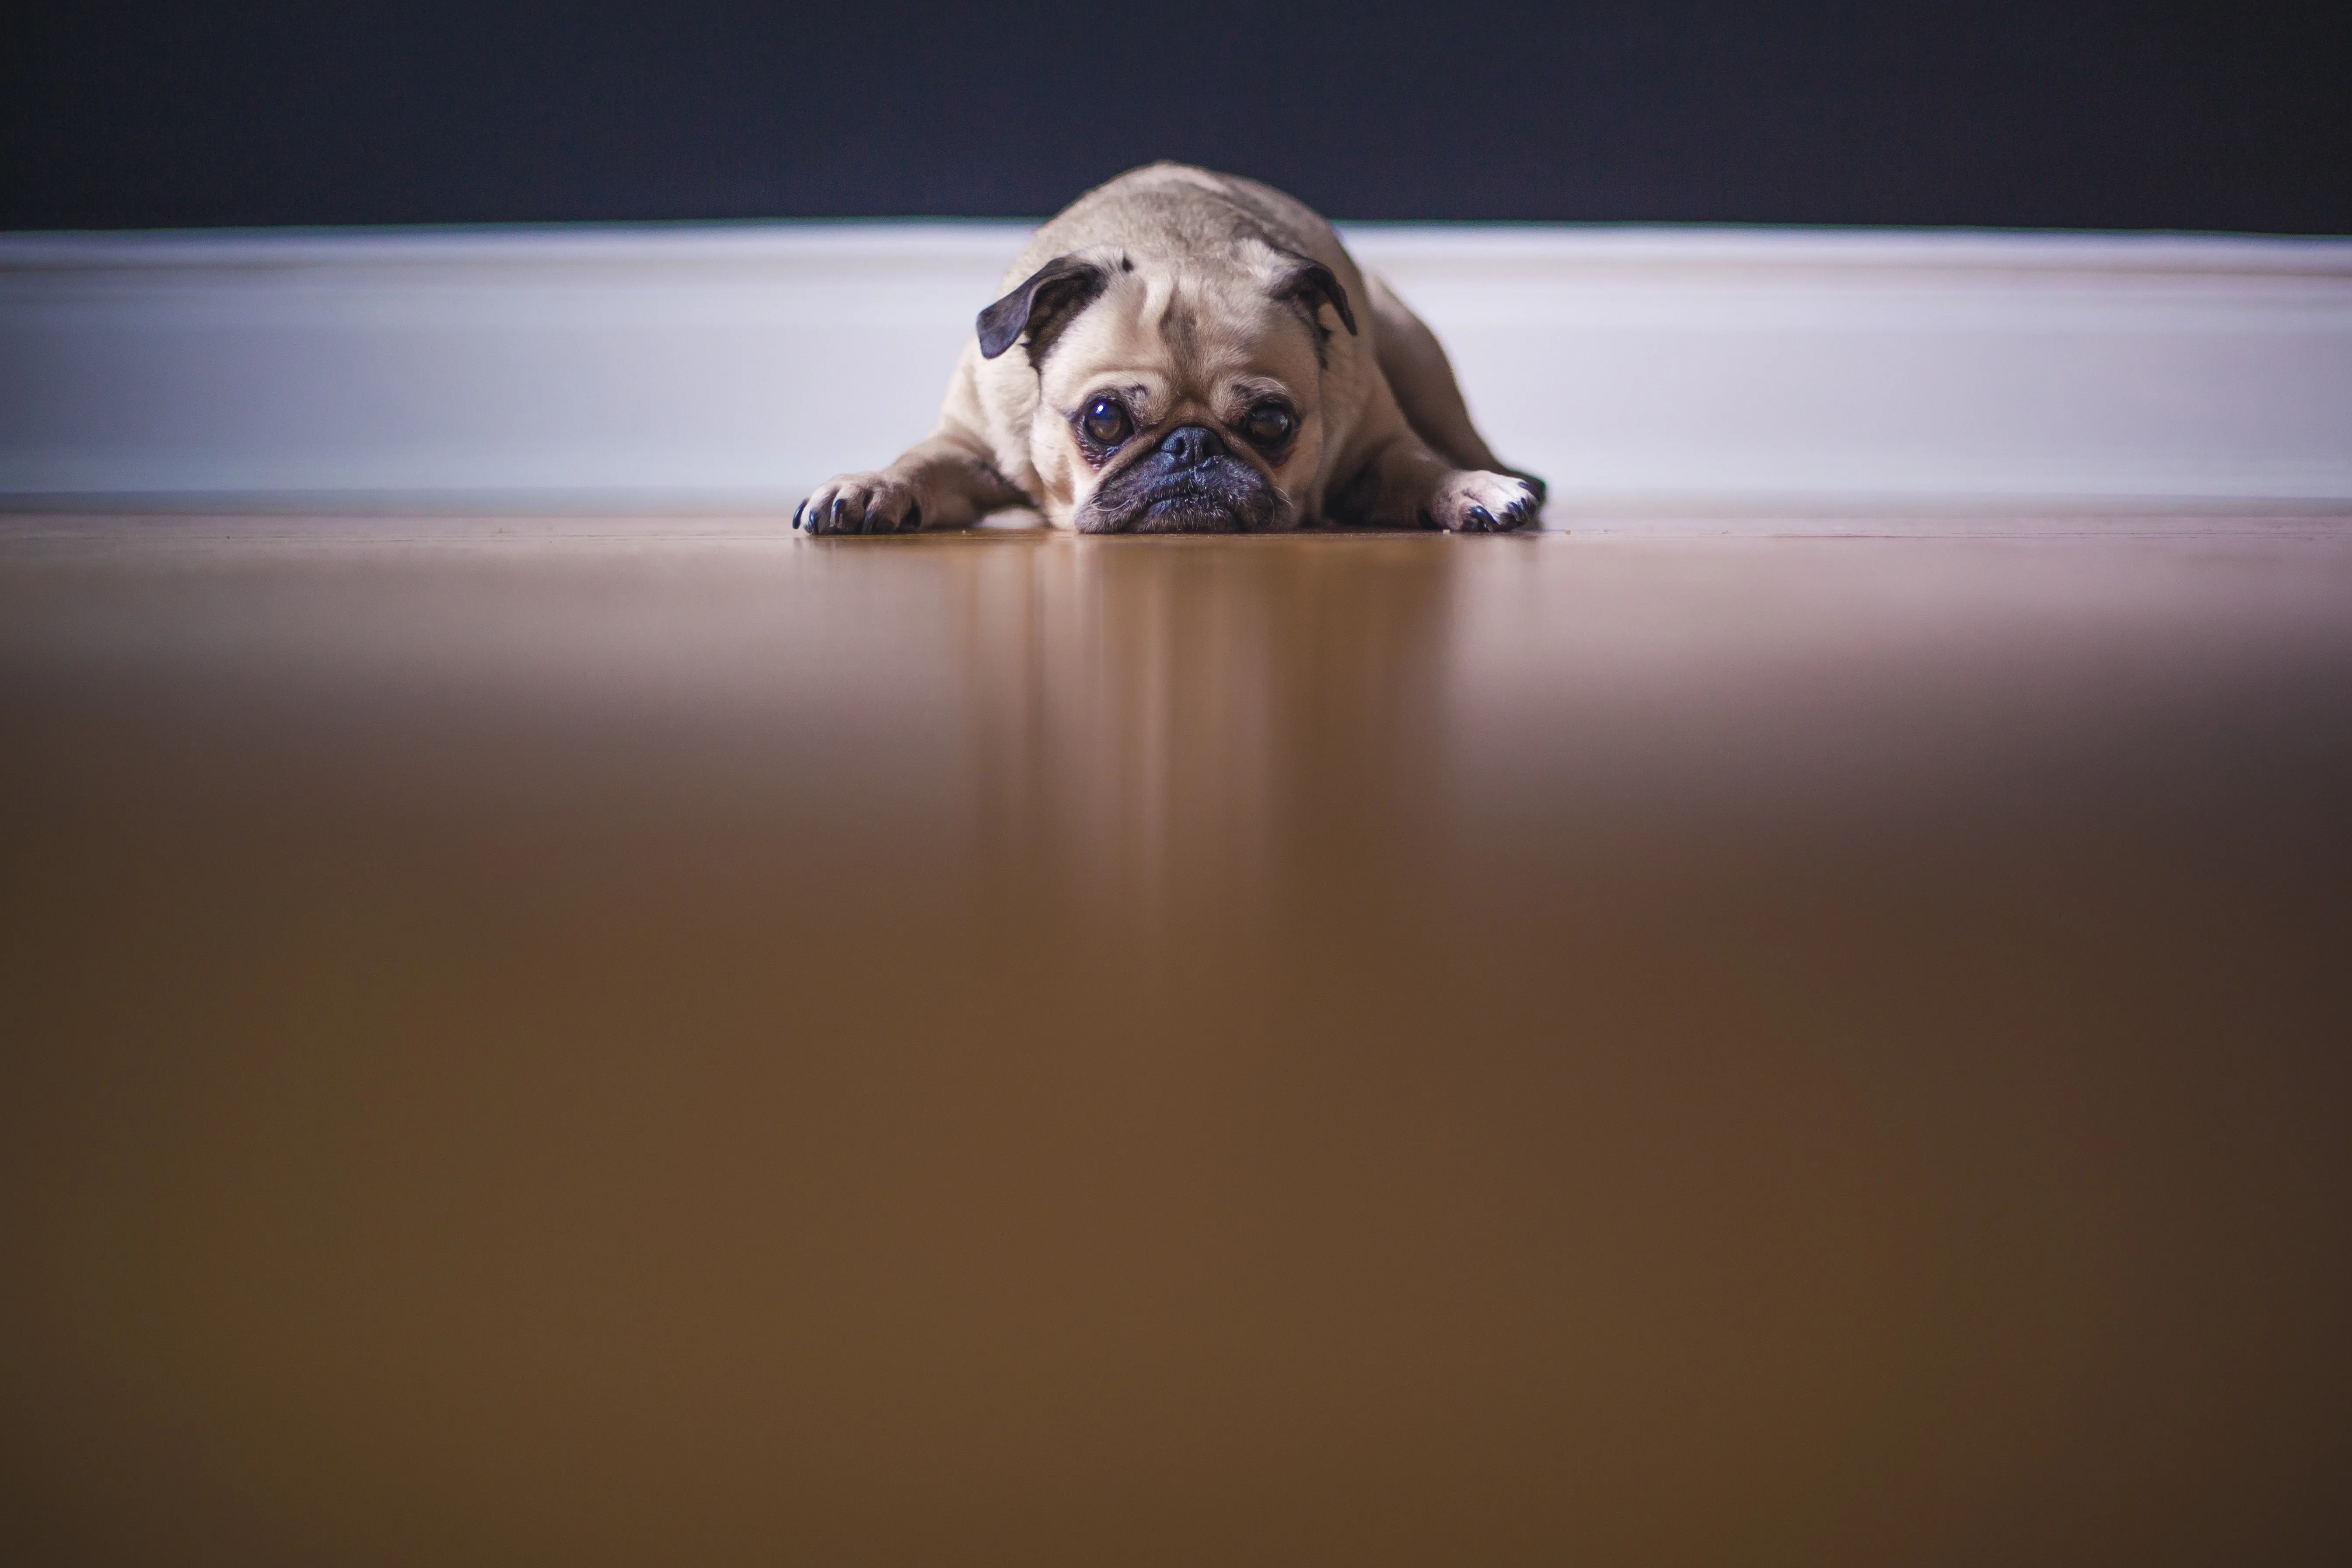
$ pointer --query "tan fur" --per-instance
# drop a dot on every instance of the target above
(1189, 328)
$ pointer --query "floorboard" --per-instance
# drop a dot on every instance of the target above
(641, 1039)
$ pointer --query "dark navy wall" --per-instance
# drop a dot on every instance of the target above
(1899, 112)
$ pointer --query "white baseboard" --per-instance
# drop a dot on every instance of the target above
(733, 365)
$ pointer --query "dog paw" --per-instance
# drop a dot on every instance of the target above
(861, 503)
(1470, 500)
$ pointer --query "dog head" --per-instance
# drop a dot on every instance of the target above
(1176, 395)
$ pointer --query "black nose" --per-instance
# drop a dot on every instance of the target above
(1190, 445)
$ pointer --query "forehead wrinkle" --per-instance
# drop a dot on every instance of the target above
(1109, 348)
(1244, 372)
(1177, 318)
(1260, 335)
(1189, 336)
(1217, 338)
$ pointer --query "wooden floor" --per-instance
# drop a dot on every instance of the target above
(631, 1042)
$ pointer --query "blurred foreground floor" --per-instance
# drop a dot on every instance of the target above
(668, 1042)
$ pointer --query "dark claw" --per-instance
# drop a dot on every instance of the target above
(797, 510)
(1480, 521)
(913, 521)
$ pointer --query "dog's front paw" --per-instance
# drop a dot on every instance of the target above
(861, 503)
(1470, 500)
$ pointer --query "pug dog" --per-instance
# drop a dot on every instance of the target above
(1182, 352)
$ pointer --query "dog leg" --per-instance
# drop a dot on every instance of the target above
(945, 482)
(949, 479)
(1402, 484)
(1421, 380)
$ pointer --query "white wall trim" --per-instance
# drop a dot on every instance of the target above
(718, 367)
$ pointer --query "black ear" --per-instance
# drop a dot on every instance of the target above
(1062, 285)
(1314, 285)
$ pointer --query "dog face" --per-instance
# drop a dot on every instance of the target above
(1175, 398)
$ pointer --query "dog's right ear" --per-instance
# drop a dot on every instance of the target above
(1062, 286)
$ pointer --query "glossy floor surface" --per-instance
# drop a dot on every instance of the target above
(631, 1043)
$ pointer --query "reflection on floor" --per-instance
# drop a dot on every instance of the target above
(625, 1042)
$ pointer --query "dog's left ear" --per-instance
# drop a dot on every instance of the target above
(1314, 285)
(1047, 296)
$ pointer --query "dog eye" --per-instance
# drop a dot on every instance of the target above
(1107, 424)
(1268, 425)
